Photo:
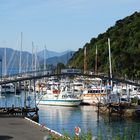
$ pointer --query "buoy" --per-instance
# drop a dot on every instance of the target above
(77, 130)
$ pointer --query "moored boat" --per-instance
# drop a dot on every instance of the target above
(63, 98)
(93, 95)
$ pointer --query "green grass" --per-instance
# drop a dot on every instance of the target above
(125, 135)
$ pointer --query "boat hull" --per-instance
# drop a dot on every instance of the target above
(59, 102)
(93, 99)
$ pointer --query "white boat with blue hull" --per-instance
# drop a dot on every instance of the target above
(63, 98)
(58, 102)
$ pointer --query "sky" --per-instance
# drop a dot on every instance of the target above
(59, 25)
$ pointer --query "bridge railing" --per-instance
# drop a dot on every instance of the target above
(41, 75)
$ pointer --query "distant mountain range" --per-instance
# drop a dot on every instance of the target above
(13, 58)
(63, 58)
(50, 54)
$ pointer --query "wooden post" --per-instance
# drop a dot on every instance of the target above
(24, 95)
(34, 93)
(109, 112)
(98, 112)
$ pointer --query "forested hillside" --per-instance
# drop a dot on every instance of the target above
(125, 49)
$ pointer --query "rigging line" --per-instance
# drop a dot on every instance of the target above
(12, 58)
(10, 62)
(40, 99)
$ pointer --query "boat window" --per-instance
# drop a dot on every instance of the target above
(64, 96)
(8, 87)
(78, 84)
(75, 90)
(135, 88)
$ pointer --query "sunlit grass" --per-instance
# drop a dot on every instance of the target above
(125, 135)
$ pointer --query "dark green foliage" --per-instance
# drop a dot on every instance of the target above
(59, 67)
(125, 49)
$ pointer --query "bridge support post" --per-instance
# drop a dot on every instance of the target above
(34, 92)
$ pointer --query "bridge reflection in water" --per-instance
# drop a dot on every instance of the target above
(14, 105)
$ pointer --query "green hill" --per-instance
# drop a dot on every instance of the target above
(125, 49)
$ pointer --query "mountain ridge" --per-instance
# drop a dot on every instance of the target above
(125, 49)
(13, 58)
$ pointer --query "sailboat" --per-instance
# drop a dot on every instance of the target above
(94, 92)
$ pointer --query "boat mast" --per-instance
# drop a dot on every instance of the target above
(85, 61)
(110, 66)
(5, 65)
(27, 63)
(20, 54)
(32, 56)
(96, 61)
(44, 59)
(35, 60)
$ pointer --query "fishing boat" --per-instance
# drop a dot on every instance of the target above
(93, 95)
(63, 97)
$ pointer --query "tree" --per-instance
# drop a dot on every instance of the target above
(59, 67)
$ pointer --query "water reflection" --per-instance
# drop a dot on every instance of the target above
(59, 118)
(7, 100)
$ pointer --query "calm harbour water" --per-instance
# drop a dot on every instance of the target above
(61, 118)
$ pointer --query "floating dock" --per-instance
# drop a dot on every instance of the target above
(122, 110)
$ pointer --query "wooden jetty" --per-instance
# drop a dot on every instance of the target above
(20, 112)
(120, 109)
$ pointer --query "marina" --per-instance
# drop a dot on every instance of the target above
(72, 72)
(71, 93)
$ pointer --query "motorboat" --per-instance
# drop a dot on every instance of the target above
(62, 97)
